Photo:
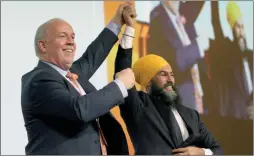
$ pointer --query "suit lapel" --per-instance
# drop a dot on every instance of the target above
(67, 83)
(84, 83)
(171, 34)
(193, 128)
(87, 87)
(71, 88)
(191, 31)
(156, 119)
(187, 118)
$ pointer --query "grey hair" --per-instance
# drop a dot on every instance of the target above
(41, 33)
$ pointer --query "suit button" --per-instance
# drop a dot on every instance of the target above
(97, 141)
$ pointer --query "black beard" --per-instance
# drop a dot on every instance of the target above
(159, 93)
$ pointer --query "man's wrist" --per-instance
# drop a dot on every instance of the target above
(122, 87)
(127, 40)
(116, 22)
(129, 31)
(114, 27)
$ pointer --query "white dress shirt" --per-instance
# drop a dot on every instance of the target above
(247, 76)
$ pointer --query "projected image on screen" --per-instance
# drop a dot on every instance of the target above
(210, 48)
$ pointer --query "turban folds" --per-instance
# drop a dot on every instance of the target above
(147, 67)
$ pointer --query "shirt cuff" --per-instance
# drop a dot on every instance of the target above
(115, 28)
(121, 87)
(126, 41)
(208, 151)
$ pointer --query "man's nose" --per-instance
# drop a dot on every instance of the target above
(70, 41)
(169, 78)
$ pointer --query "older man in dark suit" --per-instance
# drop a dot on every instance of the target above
(63, 112)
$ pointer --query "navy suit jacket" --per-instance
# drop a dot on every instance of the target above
(60, 121)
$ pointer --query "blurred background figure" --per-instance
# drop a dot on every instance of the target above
(231, 63)
(173, 36)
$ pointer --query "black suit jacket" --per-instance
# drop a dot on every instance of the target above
(60, 121)
(146, 127)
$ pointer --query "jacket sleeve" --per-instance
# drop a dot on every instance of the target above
(51, 98)
(96, 53)
(207, 140)
(215, 15)
(130, 110)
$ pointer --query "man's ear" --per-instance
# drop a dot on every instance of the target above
(42, 46)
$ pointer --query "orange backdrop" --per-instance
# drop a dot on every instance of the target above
(139, 49)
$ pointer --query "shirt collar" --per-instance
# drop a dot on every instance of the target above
(61, 71)
(170, 14)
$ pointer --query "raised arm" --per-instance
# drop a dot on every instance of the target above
(191, 10)
(99, 49)
(49, 97)
(218, 33)
(130, 110)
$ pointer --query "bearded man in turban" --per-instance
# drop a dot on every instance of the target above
(231, 64)
(156, 120)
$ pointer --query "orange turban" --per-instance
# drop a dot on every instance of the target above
(233, 13)
(147, 67)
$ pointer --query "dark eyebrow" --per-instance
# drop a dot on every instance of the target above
(165, 72)
(162, 71)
